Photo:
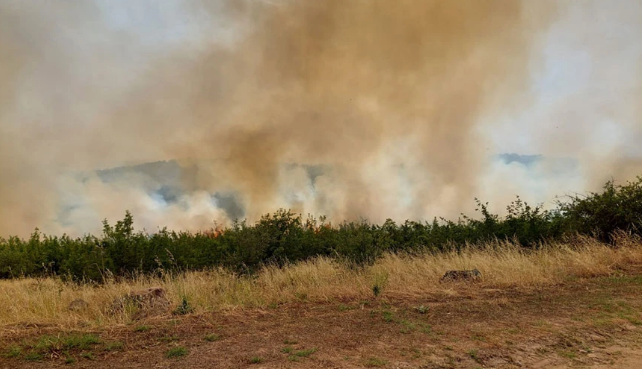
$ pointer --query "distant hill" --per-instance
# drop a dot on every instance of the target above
(167, 181)
(527, 160)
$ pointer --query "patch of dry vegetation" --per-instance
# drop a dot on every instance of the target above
(46, 301)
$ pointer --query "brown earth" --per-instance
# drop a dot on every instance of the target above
(595, 322)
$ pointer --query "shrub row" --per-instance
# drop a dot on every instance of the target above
(287, 237)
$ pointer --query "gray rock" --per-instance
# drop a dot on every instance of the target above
(461, 276)
(78, 305)
(142, 303)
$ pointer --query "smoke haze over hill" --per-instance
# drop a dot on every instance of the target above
(370, 109)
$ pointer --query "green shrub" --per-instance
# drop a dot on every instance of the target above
(176, 352)
(183, 308)
(617, 207)
(284, 237)
(142, 328)
(12, 351)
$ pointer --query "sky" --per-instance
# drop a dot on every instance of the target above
(586, 86)
(405, 106)
(589, 71)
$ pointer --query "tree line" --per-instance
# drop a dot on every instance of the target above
(284, 237)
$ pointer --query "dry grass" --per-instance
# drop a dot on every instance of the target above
(45, 301)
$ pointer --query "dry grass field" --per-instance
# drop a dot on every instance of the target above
(573, 304)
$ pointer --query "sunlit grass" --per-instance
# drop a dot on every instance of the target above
(46, 301)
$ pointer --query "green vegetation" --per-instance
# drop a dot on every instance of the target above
(212, 337)
(57, 343)
(55, 346)
(256, 360)
(407, 326)
(176, 352)
(421, 309)
(567, 354)
(12, 351)
(183, 308)
(297, 355)
(473, 355)
(374, 362)
(113, 346)
(142, 328)
(305, 353)
(287, 350)
(388, 316)
(284, 237)
(61, 346)
(168, 338)
(33, 356)
(87, 355)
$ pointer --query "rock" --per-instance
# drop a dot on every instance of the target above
(142, 303)
(461, 275)
(78, 305)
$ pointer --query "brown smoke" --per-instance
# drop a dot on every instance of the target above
(337, 82)
(18, 174)
(368, 89)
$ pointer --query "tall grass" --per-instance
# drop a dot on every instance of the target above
(45, 301)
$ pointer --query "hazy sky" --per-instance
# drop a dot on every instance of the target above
(588, 79)
(409, 103)
(587, 84)
(590, 67)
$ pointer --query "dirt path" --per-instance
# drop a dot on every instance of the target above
(585, 323)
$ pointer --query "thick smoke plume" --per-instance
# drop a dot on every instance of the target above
(350, 109)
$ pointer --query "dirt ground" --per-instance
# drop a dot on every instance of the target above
(594, 323)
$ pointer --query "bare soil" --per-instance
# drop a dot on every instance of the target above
(594, 322)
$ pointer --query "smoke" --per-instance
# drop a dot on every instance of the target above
(588, 86)
(350, 109)
(608, 106)
(18, 174)
(373, 90)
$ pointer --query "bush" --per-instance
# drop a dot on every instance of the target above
(176, 352)
(285, 237)
(617, 207)
(183, 308)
